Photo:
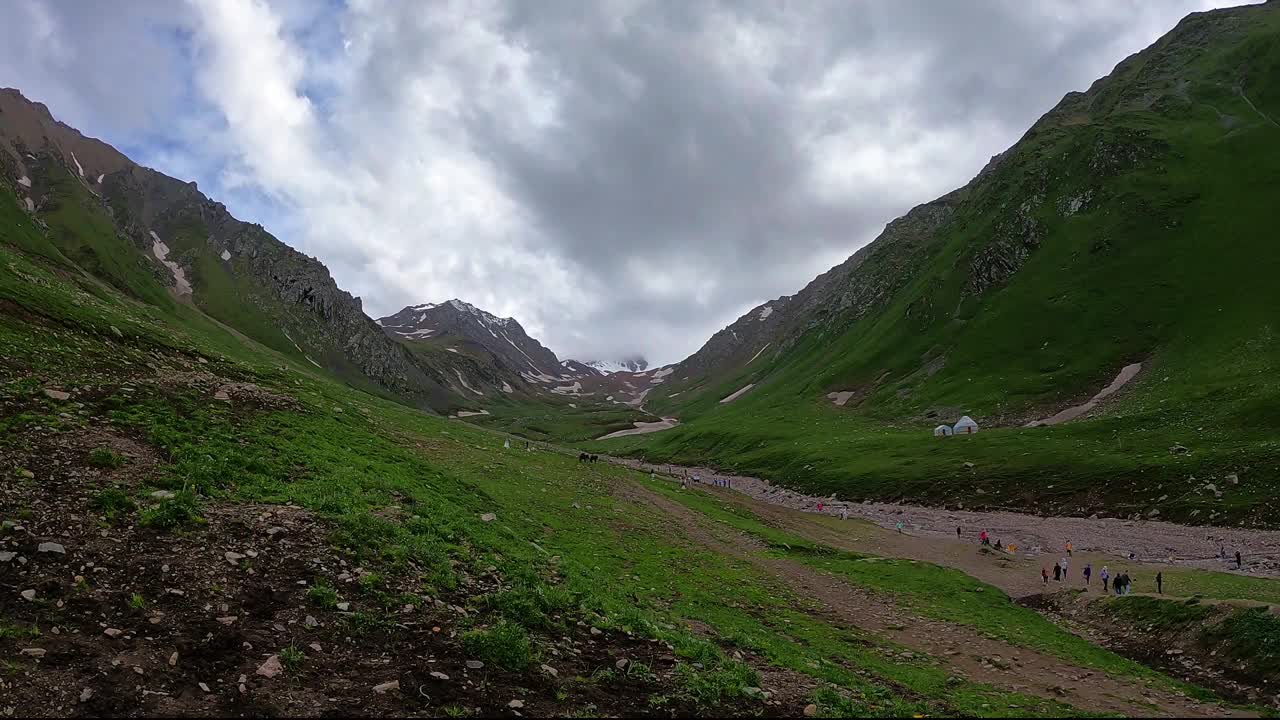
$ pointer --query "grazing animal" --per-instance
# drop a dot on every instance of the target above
(583, 457)
(595, 458)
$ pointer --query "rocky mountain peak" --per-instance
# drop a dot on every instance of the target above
(503, 337)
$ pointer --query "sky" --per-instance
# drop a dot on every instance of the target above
(621, 176)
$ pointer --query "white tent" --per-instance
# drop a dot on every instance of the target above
(942, 431)
(966, 426)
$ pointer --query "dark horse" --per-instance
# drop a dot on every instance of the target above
(583, 457)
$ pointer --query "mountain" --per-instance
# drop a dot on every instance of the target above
(1126, 241)
(504, 337)
(578, 369)
(634, 363)
(163, 242)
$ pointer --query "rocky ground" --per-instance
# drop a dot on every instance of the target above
(1151, 542)
(254, 612)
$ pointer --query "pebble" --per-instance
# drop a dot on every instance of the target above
(173, 660)
(7, 556)
(474, 664)
(228, 619)
(439, 675)
(515, 704)
(386, 687)
(271, 667)
(85, 695)
(112, 632)
(28, 594)
(163, 495)
(203, 687)
(33, 652)
(311, 621)
(810, 710)
(316, 647)
(56, 394)
(233, 557)
(596, 631)
(488, 517)
(51, 547)
(622, 664)
(550, 671)
(344, 606)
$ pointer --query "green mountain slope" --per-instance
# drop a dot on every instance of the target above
(1132, 224)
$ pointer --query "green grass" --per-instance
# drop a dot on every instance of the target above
(292, 658)
(113, 503)
(137, 601)
(105, 458)
(178, 512)
(323, 595)
(504, 644)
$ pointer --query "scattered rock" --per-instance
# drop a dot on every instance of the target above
(163, 495)
(229, 619)
(622, 664)
(311, 622)
(474, 664)
(112, 632)
(28, 594)
(7, 556)
(33, 652)
(550, 671)
(439, 675)
(344, 606)
(488, 517)
(26, 474)
(203, 687)
(596, 631)
(56, 395)
(86, 695)
(116, 331)
(233, 557)
(173, 660)
(316, 647)
(810, 710)
(386, 687)
(271, 667)
(515, 704)
(51, 547)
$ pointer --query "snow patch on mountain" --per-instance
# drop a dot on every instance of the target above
(161, 251)
(77, 162)
(24, 181)
(765, 312)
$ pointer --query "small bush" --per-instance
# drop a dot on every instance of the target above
(714, 685)
(505, 644)
(323, 595)
(113, 503)
(291, 657)
(137, 602)
(532, 606)
(181, 510)
(105, 458)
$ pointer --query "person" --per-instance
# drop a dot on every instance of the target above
(999, 545)
(982, 537)
(1063, 563)
(957, 532)
(1044, 575)
(684, 483)
(1057, 573)
(899, 526)
(1160, 582)
(1105, 575)
(844, 512)
(1118, 585)
(1088, 571)
(1068, 548)
(1237, 559)
(819, 506)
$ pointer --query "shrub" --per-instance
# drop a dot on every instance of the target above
(105, 458)
(181, 510)
(113, 503)
(323, 595)
(505, 644)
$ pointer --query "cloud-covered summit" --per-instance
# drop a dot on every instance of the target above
(622, 177)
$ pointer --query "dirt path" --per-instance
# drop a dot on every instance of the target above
(1039, 540)
(643, 428)
(963, 650)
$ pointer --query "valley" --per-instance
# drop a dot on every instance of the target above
(227, 490)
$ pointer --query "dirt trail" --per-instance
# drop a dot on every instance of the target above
(963, 650)
(1039, 540)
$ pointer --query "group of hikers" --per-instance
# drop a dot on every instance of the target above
(1122, 584)
(715, 481)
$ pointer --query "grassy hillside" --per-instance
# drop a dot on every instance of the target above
(1131, 224)
(346, 538)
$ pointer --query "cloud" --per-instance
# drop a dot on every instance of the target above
(623, 176)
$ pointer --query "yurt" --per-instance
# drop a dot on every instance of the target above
(966, 426)
(942, 431)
